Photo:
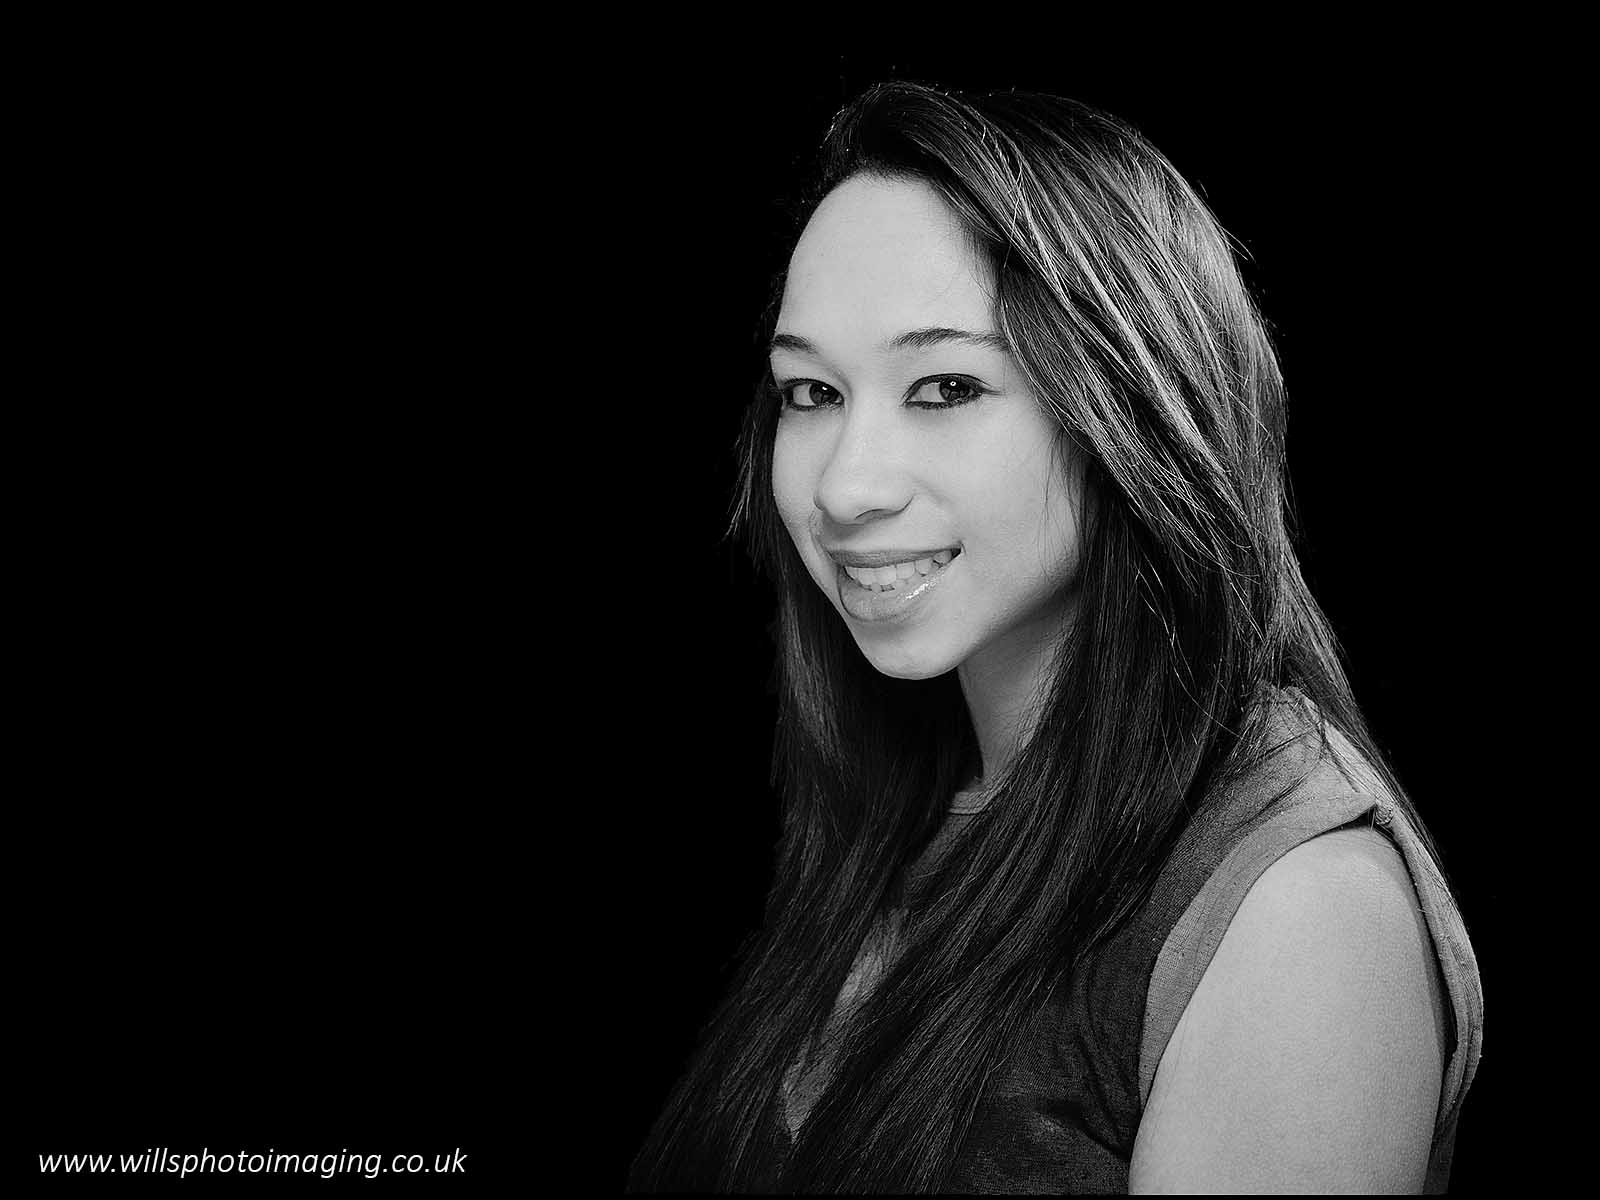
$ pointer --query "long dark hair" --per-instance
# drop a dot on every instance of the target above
(1120, 296)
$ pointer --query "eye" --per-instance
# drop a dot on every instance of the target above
(952, 390)
(806, 394)
(942, 391)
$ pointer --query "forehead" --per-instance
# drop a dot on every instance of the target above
(879, 256)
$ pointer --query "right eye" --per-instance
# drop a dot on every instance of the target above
(803, 395)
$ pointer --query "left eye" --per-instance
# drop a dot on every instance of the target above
(951, 390)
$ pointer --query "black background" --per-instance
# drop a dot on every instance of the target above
(398, 760)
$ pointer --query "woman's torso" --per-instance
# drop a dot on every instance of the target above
(1063, 1111)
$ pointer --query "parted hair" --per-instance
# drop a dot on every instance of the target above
(1123, 302)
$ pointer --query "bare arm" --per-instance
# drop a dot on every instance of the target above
(1310, 1057)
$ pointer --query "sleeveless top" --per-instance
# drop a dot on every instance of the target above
(1062, 1112)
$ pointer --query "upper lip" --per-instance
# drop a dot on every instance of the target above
(882, 558)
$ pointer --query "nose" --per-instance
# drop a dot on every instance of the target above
(864, 477)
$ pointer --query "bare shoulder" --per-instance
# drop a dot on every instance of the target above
(1311, 1054)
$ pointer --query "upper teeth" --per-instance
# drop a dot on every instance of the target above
(891, 575)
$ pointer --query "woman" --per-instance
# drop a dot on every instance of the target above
(1092, 878)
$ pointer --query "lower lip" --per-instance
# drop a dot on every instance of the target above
(864, 604)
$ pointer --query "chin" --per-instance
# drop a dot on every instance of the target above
(906, 662)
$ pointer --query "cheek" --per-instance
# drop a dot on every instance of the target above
(1060, 540)
(792, 486)
(1059, 521)
(1032, 522)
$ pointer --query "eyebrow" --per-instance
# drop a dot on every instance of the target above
(911, 339)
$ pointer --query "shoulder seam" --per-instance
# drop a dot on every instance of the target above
(1192, 941)
(1194, 937)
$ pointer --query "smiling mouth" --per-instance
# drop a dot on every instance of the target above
(898, 577)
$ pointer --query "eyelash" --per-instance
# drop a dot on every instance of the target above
(785, 392)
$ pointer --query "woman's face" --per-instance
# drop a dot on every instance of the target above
(915, 471)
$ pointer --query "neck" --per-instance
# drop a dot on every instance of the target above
(1005, 685)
